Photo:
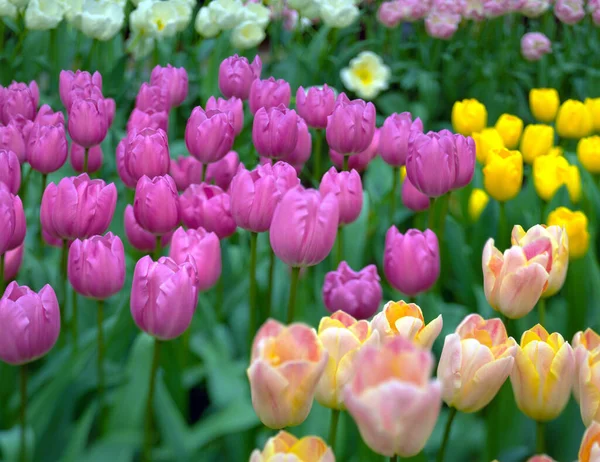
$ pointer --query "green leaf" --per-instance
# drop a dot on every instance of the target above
(171, 423)
(79, 436)
(355, 236)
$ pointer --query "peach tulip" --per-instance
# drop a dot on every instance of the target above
(541, 458)
(587, 374)
(542, 377)
(342, 336)
(286, 447)
(406, 320)
(476, 361)
(286, 365)
(392, 398)
(589, 451)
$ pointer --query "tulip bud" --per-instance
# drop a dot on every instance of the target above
(304, 227)
(152, 98)
(569, 11)
(593, 105)
(285, 445)
(88, 123)
(19, 101)
(468, 116)
(269, 93)
(301, 153)
(209, 207)
(156, 204)
(209, 135)
(173, 80)
(347, 188)
(236, 75)
(20, 229)
(222, 172)
(540, 359)
(360, 161)
(46, 116)
(503, 174)
(233, 106)
(588, 153)
(478, 201)
(576, 224)
(351, 126)
(11, 139)
(8, 217)
(166, 311)
(145, 153)
(411, 261)
(94, 158)
(465, 152)
(12, 263)
(589, 450)
(138, 237)
(485, 141)
(10, 170)
(412, 198)
(275, 131)
(356, 293)
(29, 323)
(139, 120)
(537, 141)
(510, 128)
(285, 367)
(534, 45)
(585, 346)
(47, 147)
(543, 103)
(394, 137)
(96, 266)
(185, 171)
(392, 384)
(550, 173)
(315, 105)
(573, 120)
(68, 80)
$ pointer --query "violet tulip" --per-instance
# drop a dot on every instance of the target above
(269, 93)
(138, 120)
(156, 204)
(351, 126)
(233, 106)
(275, 131)
(146, 153)
(138, 237)
(163, 297)
(185, 171)
(303, 149)
(236, 75)
(47, 147)
(7, 217)
(96, 266)
(209, 207)
(152, 98)
(465, 151)
(12, 139)
(19, 101)
(315, 105)
(68, 80)
(394, 137)
(12, 263)
(10, 170)
(209, 135)
(94, 160)
(88, 91)
(174, 80)
(46, 116)
(411, 261)
(18, 235)
(358, 161)
(412, 198)
(122, 170)
(347, 187)
(222, 172)
(88, 122)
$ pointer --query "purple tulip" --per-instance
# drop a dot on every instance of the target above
(88, 91)
(465, 151)
(10, 170)
(88, 122)
(94, 158)
(69, 80)
(138, 237)
(234, 106)
(347, 187)
(152, 98)
(46, 116)
(122, 170)
(185, 171)
(269, 93)
(360, 161)
(174, 80)
(412, 198)
(12, 263)
(275, 131)
(394, 137)
(18, 235)
(7, 217)
(19, 101)
(47, 147)
(236, 75)
(209, 207)
(209, 135)
(222, 172)
(138, 120)
(12, 139)
(145, 153)
(315, 105)
(301, 153)
(351, 126)
(156, 204)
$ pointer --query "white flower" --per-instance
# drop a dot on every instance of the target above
(44, 14)
(257, 13)
(162, 19)
(312, 10)
(19, 3)
(247, 35)
(7, 9)
(99, 19)
(139, 46)
(298, 4)
(206, 24)
(184, 14)
(367, 75)
(227, 13)
(338, 13)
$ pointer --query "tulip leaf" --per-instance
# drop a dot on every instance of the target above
(80, 435)
(169, 420)
(10, 443)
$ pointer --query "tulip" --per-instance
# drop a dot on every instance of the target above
(209, 207)
(347, 187)
(139, 120)
(543, 103)
(585, 346)
(540, 359)
(46, 116)
(573, 120)
(342, 336)
(569, 12)
(593, 105)
(576, 224)
(303, 149)
(234, 106)
(29, 323)
(275, 131)
(485, 141)
(284, 446)
(588, 153)
(222, 172)
(68, 80)
(503, 174)
(351, 126)
(476, 361)
(152, 98)
(20, 229)
(550, 173)
(145, 153)
(19, 101)
(185, 171)
(96, 266)
(468, 116)
(465, 151)
(411, 261)
(401, 319)
(8, 217)
(156, 204)
(414, 199)
(478, 201)
(315, 105)
(356, 293)
(209, 135)
(442, 24)
(589, 450)
(360, 161)
(367, 75)
(541, 458)
(269, 93)
(12, 263)
(94, 158)
(174, 80)
(88, 122)
(87, 91)
(534, 45)
(11, 139)
(510, 128)
(392, 384)
(537, 141)
(535, 8)
(163, 296)
(138, 237)
(285, 367)
(236, 75)
(122, 169)
(394, 137)
(304, 227)
(255, 194)
(47, 147)
(10, 170)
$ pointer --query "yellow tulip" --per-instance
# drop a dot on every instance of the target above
(589, 451)
(478, 201)
(503, 174)
(543, 103)
(576, 224)
(285, 446)
(588, 153)
(468, 116)
(574, 120)
(542, 377)
(537, 140)
(485, 140)
(593, 105)
(510, 128)
(556, 151)
(550, 173)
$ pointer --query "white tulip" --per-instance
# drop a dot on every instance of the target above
(228, 13)
(257, 13)
(206, 24)
(247, 35)
(184, 14)
(99, 19)
(7, 9)
(367, 75)
(338, 13)
(44, 14)
(19, 3)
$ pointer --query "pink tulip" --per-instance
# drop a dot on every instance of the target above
(96, 266)
(412, 198)
(138, 237)
(275, 131)
(304, 227)
(204, 247)
(222, 172)
(47, 147)
(234, 106)
(465, 151)
(156, 204)
(541, 458)
(163, 297)
(12, 139)
(110, 107)
(347, 188)
(442, 24)
(209, 207)
(534, 45)
(94, 158)
(186, 171)
(29, 323)
(46, 116)
(12, 263)
(138, 120)
(88, 122)
(269, 93)
(535, 8)
(495, 8)
(122, 170)
(146, 153)
(390, 13)
(19, 101)
(394, 137)
(236, 75)
(10, 170)
(452, 6)
(18, 236)
(152, 98)
(360, 161)
(174, 80)
(351, 126)
(69, 80)
(87, 91)
(51, 240)
(315, 105)
(569, 11)
(301, 153)
(7, 217)
(209, 135)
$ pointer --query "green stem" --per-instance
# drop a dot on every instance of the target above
(85, 159)
(100, 364)
(157, 248)
(317, 152)
(345, 167)
(44, 180)
(252, 294)
(74, 321)
(63, 270)
(502, 227)
(23, 412)
(431, 212)
(147, 455)
(202, 172)
(333, 425)
(540, 443)
(451, 416)
(88, 60)
(339, 249)
(2, 283)
(23, 189)
(219, 299)
(542, 311)
(270, 292)
(394, 459)
(293, 289)
(395, 181)
(443, 213)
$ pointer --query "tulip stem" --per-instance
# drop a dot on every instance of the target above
(293, 290)
(396, 171)
(346, 162)
(100, 364)
(394, 459)
(502, 226)
(63, 269)
(2, 261)
(540, 443)
(74, 321)
(157, 248)
(451, 416)
(339, 250)
(23, 412)
(431, 218)
(252, 294)
(270, 293)
(202, 172)
(542, 311)
(147, 455)
(335, 417)
(317, 163)
(85, 159)
(44, 180)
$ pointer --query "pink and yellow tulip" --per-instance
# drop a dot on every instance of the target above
(286, 447)
(587, 376)
(589, 450)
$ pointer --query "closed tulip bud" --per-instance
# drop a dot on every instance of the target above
(573, 120)
(139, 120)
(537, 141)
(535, 45)
(351, 126)
(588, 153)
(185, 171)
(360, 161)
(29, 323)
(540, 359)
(94, 158)
(468, 116)
(476, 361)
(285, 367)
(233, 106)
(593, 105)
(47, 147)
(69, 80)
(146, 153)
(156, 204)
(585, 345)
(342, 337)
(209, 135)
(88, 123)
(46, 116)
(269, 93)
(411, 261)
(392, 384)
(569, 11)
(514, 282)
(138, 237)
(222, 172)
(356, 293)
(255, 194)
(236, 75)
(204, 247)
(19, 100)
(163, 297)
(304, 227)
(285, 445)
(465, 151)
(10, 170)
(543, 103)
(12, 262)
(503, 174)
(550, 173)
(209, 207)
(478, 201)
(174, 80)
(589, 450)
(510, 128)
(301, 153)
(275, 131)
(11, 139)
(576, 224)
(315, 105)
(347, 187)
(96, 266)
(394, 137)
(485, 141)
(18, 236)
(8, 217)
(414, 199)
(401, 319)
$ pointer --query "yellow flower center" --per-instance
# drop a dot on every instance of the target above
(364, 74)
(160, 25)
